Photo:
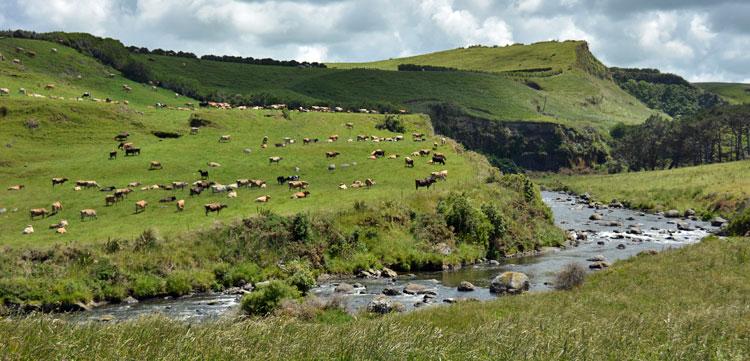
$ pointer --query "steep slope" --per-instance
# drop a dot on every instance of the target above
(734, 93)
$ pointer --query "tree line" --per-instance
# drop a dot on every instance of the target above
(719, 134)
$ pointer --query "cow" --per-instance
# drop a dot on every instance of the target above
(119, 137)
(58, 180)
(4, 91)
(28, 230)
(232, 194)
(49, 87)
(125, 145)
(263, 199)
(132, 151)
(424, 152)
(61, 230)
(427, 182)
(107, 189)
(179, 185)
(257, 183)
(274, 160)
(126, 88)
(140, 206)
(203, 173)
(134, 184)
(303, 194)
(333, 138)
(369, 182)
(168, 199)
(122, 193)
(193, 130)
(225, 138)
(56, 207)
(279, 145)
(180, 205)
(282, 179)
(332, 154)
(62, 224)
(218, 188)
(88, 213)
(154, 165)
(16, 187)
(36, 212)
(213, 164)
(441, 175)
(377, 153)
(214, 207)
(87, 184)
(196, 191)
(349, 125)
(438, 159)
(113, 155)
(408, 162)
(298, 185)
(110, 199)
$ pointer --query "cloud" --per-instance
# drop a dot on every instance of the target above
(694, 38)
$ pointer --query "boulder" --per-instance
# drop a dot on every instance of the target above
(689, 212)
(510, 283)
(417, 289)
(685, 226)
(391, 291)
(382, 305)
(620, 246)
(635, 230)
(596, 217)
(672, 213)
(599, 265)
(494, 262)
(465, 286)
(718, 221)
(344, 288)
(389, 273)
(130, 300)
(597, 258)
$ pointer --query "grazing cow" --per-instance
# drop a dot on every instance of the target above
(393, 156)
(298, 185)
(377, 153)
(357, 184)
(441, 175)
(132, 151)
(232, 194)
(121, 136)
(274, 160)
(408, 162)
(434, 146)
(109, 200)
(126, 88)
(56, 207)
(125, 145)
(61, 230)
(369, 182)
(196, 191)
(87, 184)
(214, 207)
(180, 205)
(218, 188)
(179, 185)
(225, 138)
(203, 173)
(134, 184)
(113, 155)
(140, 206)
(263, 199)
(58, 180)
(88, 213)
(62, 224)
(342, 186)
(417, 137)
(306, 141)
(36, 212)
(282, 179)
(16, 187)
(107, 189)
(427, 182)
(4, 91)
(349, 125)
(424, 152)
(332, 154)
(168, 199)
(438, 159)
(303, 194)
(333, 138)
(154, 165)
(123, 192)
(49, 87)
(28, 230)
(257, 183)
(279, 145)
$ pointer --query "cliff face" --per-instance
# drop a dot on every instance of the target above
(536, 146)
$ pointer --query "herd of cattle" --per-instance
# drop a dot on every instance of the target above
(294, 183)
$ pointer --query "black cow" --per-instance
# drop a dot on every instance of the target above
(427, 182)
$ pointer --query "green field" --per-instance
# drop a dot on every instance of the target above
(734, 93)
(709, 189)
(640, 309)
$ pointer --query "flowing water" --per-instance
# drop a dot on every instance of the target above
(607, 237)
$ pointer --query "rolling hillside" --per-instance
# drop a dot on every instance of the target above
(734, 93)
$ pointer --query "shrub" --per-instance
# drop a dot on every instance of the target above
(147, 286)
(300, 276)
(237, 275)
(300, 228)
(740, 224)
(469, 224)
(147, 240)
(267, 298)
(571, 276)
(393, 123)
(431, 228)
(286, 114)
(178, 283)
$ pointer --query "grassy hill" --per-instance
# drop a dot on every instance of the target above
(715, 188)
(638, 309)
(162, 251)
(734, 93)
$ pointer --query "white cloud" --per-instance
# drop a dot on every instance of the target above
(312, 53)
(464, 26)
(77, 15)
(657, 34)
(528, 6)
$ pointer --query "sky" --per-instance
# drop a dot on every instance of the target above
(700, 40)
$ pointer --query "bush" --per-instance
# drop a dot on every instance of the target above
(393, 123)
(571, 276)
(740, 224)
(300, 276)
(147, 286)
(267, 298)
(237, 275)
(178, 283)
(468, 223)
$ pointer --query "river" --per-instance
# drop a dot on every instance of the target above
(608, 237)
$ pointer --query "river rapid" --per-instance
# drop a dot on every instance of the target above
(619, 234)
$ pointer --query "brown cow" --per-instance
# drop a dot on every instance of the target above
(298, 185)
(332, 154)
(58, 180)
(140, 206)
(369, 182)
(16, 187)
(333, 138)
(214, 207)
(263, 199)
(303, 194)
(88, 213)
(35, 212)
(109, 200)
(225, 138)
(377, 153)
(409, 163)
(181, 205)
(56, 207)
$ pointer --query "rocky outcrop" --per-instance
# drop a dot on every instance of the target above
(382, 305)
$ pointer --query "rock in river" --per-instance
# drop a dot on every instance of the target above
(597, 258)
(387, 272)
(599, 265)
(718, 221)
(417, 289)
(466, 287)
(382, 304)
(672, 213)
(344, 288)
(510, 282)
(391, 291)
(596, 217)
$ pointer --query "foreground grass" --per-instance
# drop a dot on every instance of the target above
(686, 304)
(709, 189)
